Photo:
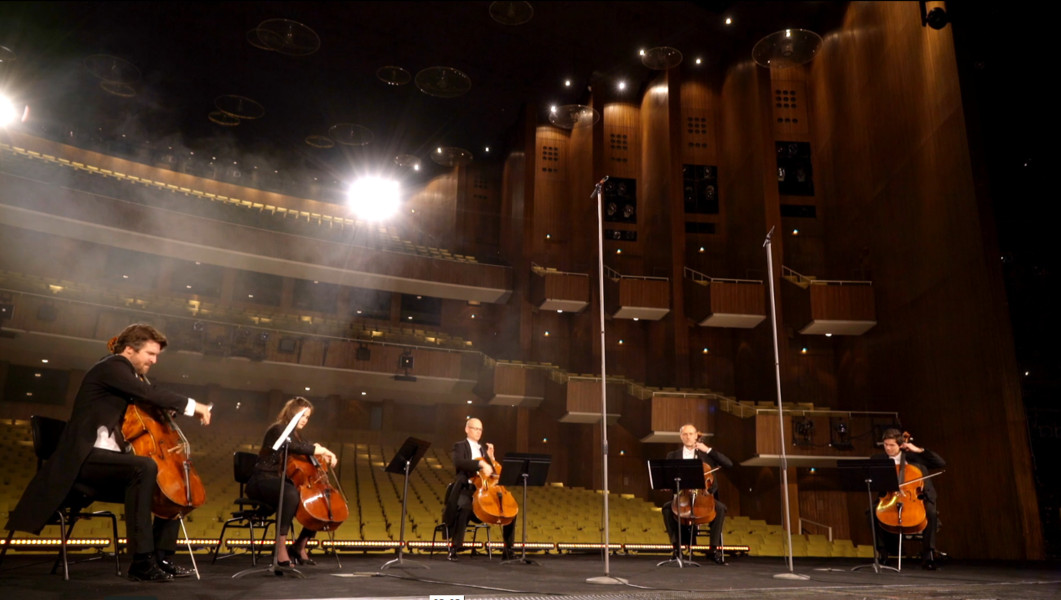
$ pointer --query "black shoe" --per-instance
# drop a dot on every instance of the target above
(148, 570)
(719, 558)
(174, 569)
(507, 555)
(928, 561)
(882, 557)
(452, 556)
(303, 561)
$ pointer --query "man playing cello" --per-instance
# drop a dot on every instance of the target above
(92, 451)
(469, 458)
(899, 448)
(693, 448)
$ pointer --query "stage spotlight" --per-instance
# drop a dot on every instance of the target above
(374, 198)
(10, 113)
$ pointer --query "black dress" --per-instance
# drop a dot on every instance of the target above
(264, 484)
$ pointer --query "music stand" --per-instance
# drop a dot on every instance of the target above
(274, 568)
(677, 474)
(404, 461)
(872, 474)
(519, 468)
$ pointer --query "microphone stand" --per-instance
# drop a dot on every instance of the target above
(274, 568)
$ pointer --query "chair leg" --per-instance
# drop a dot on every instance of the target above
(489, 548)
(64, 534)
(254, 549)
(114, 538)
(7, 544)
(220, 541)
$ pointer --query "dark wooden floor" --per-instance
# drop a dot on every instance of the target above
(27, 576)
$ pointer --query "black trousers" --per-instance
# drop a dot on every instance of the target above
(136, 475)
(688, 532)
(267, 489)
(463, 514)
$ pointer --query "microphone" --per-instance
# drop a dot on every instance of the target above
(596, 188)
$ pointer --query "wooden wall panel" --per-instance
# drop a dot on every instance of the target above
(669, 413)
(699, 131)
(904, 208)
(622, 141)
(842, 302)
(738, 298)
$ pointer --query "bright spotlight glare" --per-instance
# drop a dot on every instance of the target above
(8, 112)
(374, 198)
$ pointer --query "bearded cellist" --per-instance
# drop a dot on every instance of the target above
(899, 448)
(92, 451)
(694, 449)
(469, 458)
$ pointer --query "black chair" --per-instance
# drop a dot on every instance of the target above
(46, 432)
(251, 513)
(473, 525)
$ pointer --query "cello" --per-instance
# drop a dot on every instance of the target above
(153, 432)
(321, 506)
(696, 507)
(491, 502)
(903, 511)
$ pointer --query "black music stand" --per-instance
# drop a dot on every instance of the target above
(283, 441)
(873, 474)
(518, 468)
(677, 474)
(404, 461)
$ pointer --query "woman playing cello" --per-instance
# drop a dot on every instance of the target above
(899, 447)
(264, 485)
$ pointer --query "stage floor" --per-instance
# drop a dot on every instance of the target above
(477, 577)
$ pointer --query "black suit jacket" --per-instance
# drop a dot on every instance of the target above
(713, 458)
(465, 467)
(107, 389)
(925, 461)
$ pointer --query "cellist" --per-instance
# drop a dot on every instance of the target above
(898, 448)
(694, 449)
(92, 451)
(264, 484)
(470, 458)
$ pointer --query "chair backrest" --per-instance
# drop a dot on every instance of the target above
(46, 432)
(243, 466)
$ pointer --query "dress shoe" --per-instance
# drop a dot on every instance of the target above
(174, 569)
(719, 558)
(148, 570)
(303, 561)
(882, 557)
(928, 561)
(452, 556)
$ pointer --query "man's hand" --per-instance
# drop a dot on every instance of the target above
(203, 411)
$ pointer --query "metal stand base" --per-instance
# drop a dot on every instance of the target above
(679, 561)
(273, 569)
(401, 562)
